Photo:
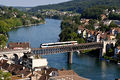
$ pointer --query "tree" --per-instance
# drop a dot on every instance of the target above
(73, 36)
(104, 28)
(110, 52)
(3, 27)
(65, 34)
(118, 39)
(77, 19)
(90, 27)
(3, 41)
(5, 75)
(81, 40)
(118, 36)
(112, 24)
(93, 13)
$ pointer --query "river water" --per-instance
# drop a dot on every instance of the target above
(84, 65)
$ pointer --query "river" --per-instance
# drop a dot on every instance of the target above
(84, 65)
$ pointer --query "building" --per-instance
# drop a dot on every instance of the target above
(115, 31)
(84, 33)
(85, 21)
(67, 75)
(80, 29)
(103, 16)
(96, 25)
(19, 45)
(19, 72)
(117, 51)
(107, 22)
(35, 63)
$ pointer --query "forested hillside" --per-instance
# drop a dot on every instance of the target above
(12, 18)
(78, 5)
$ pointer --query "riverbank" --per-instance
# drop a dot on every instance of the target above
(29, 25)
(32, 34)
(4, 37)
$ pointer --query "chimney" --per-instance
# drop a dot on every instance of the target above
(45, 71)
(22, 75)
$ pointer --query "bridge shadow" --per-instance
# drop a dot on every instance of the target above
(69, 66)
(94, 53)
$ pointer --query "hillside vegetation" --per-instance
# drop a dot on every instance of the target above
(78, 5)
(12, 18)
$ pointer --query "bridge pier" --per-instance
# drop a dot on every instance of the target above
(70, 54)
(101, 54)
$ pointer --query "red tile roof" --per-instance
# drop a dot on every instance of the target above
(66, 72)
(68, 75)
(81, 27)
(12, 45)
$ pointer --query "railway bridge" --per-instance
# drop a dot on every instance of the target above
(70, 49)
(61, 49)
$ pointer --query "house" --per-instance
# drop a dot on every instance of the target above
(90, 36)
(20, 72)
(35, 63)
(103, 36)
(80, 29)
(24, 16)
(19, 77)
(111, 37)
(106, 12)
(96, 25)
(117, 51)
(97, 37)
(115, 31)
(36, 18)
(107, 22)
(85, 21)
(19, 45)
(103, 16)
(118, 11)
(67, 75)
(84, 33)
(48, 72)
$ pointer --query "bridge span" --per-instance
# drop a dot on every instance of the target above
(63, 49)
(70, 49)
(60, 49)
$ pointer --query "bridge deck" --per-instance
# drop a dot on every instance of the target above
(63, 49)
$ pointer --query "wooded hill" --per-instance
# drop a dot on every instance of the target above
(78, 5)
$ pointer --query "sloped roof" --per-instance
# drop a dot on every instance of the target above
(12, 45)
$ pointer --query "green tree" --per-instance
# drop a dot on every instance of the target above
(3, 27)
(73, 35)
(118, 39)
(3, 41)
(81, 40)
(112, 24)
(5, 75)
(118, 36)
